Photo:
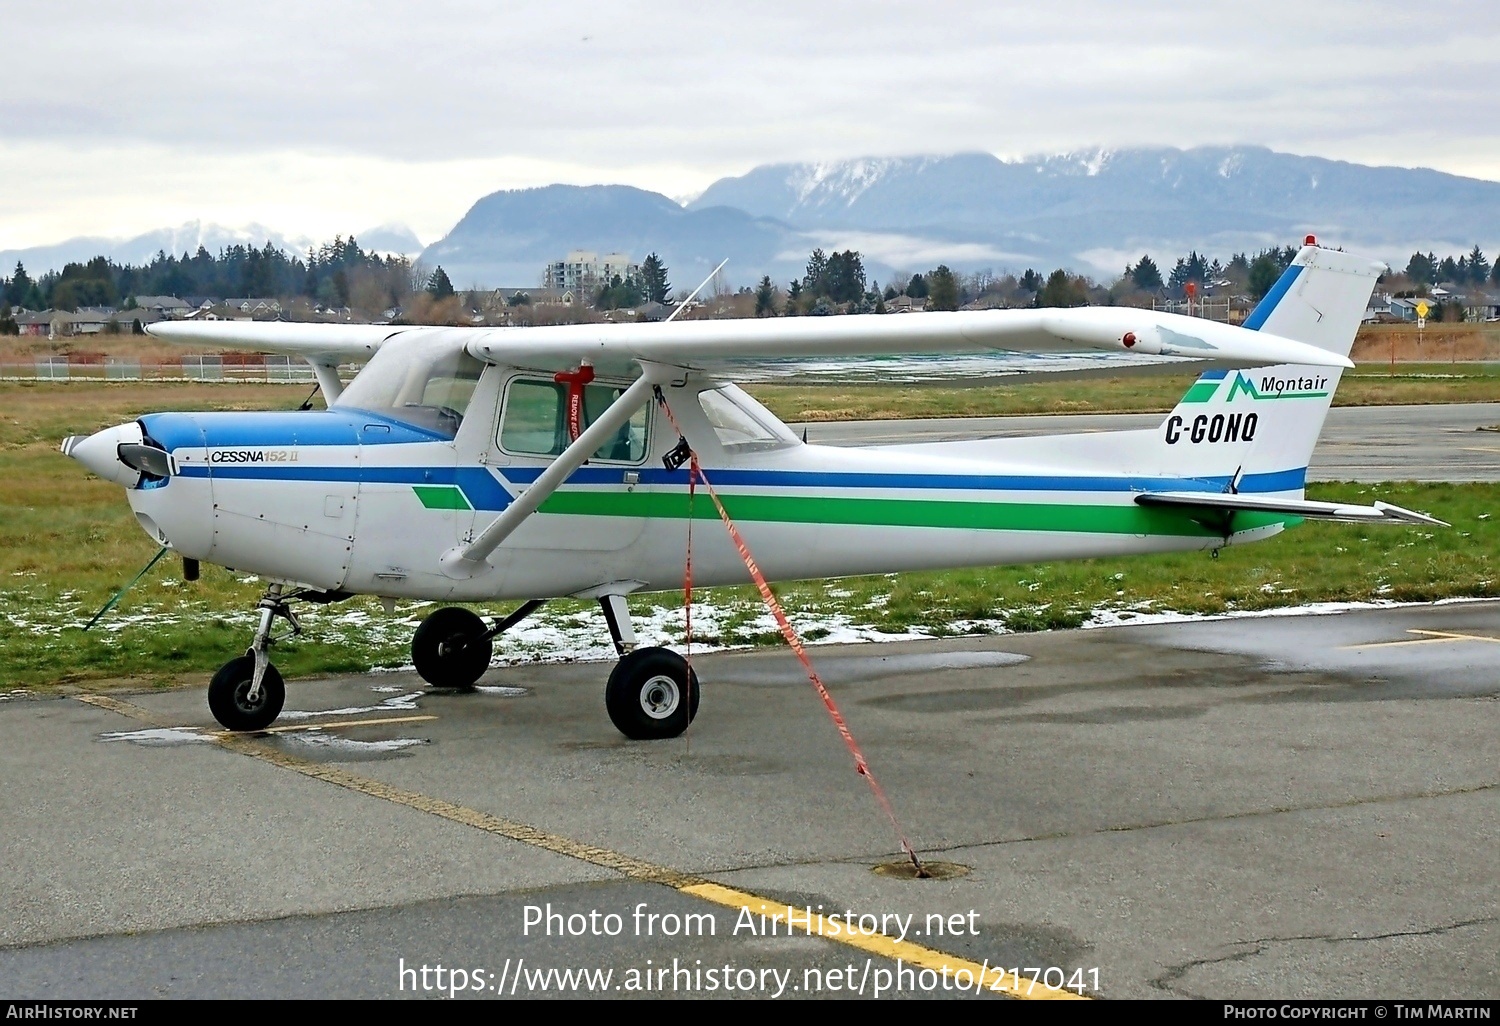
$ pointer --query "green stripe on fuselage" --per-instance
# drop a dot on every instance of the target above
(441, 497)
(1120, 518)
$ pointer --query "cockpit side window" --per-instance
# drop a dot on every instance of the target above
(535, 421)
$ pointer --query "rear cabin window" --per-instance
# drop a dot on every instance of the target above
(737, 423)
(535, 421)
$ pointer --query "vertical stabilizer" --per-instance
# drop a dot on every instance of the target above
(1260, 425)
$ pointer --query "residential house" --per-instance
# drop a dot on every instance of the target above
(906, 304)
(34, 323)
(1405, 307)
(91, 320)
(163, 306)
(256, 308)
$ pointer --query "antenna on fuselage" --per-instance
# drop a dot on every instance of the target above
(684, 304)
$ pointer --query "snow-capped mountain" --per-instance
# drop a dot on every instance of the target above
(140, 249)
(1099, 207)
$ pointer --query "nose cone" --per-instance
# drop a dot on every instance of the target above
(100, 452)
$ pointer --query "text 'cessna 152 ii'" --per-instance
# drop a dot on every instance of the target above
(481, 464)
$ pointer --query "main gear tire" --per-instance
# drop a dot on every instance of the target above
(652, 694)
(451, 648)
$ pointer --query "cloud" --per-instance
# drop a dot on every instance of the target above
(388, 109)
(904, 251)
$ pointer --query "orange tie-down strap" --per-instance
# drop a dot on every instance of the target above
(793, 639)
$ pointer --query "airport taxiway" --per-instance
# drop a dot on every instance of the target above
(1266, 807)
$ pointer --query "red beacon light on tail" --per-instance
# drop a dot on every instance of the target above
(1312, 240)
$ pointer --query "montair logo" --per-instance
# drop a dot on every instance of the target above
(253, 456)
(1272, 387)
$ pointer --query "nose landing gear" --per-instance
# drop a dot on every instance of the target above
(247, 693)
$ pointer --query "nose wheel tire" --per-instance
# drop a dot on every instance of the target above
(451, 648)
(652, 694)
(229, 695)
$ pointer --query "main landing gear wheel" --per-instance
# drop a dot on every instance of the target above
(652, 694)
(451, 648)
(230, 701)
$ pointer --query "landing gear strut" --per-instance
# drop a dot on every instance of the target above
(652, 692)
(247, 693)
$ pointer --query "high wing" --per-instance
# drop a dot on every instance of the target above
(323, 346)
(313, 342)
(714, 345)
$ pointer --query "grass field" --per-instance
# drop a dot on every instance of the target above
(68, 540)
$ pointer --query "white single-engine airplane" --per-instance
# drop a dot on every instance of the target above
(476, 464)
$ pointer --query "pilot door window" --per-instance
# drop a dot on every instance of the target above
(535, 421)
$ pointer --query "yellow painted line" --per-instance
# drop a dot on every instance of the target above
(1478, 448)
(1437, 638)
(633, 868)
(334, 725)
(987, 977)
(1456, 636)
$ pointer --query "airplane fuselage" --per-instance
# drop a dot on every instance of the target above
(349, 501)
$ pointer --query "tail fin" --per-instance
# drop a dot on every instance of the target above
(1259, 426)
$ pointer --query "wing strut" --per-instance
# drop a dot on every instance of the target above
(327, 373)
(464, 561)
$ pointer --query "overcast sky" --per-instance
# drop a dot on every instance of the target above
(316, 118)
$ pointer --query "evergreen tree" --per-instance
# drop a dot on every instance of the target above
(942, 287)
(1263, 274)
(654, 279)
(1145, 275)
(18, 287)
(765, 298)
(843, 278)
(438, 285)
(8, 324)
(1032, 282)
(917, 288)
(890, 292)
(817, 270)
(1479, 267)
(620, 294)
(1422, 270)
(1447, 270)
(1061, 290)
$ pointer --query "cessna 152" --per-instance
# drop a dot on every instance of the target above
(479, 464)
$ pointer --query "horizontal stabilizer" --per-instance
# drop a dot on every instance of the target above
(1380, 512)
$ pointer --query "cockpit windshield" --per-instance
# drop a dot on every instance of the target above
(424, 382)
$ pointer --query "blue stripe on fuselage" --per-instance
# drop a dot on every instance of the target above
(479, 486)
(484, 491)
(1271, 482)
